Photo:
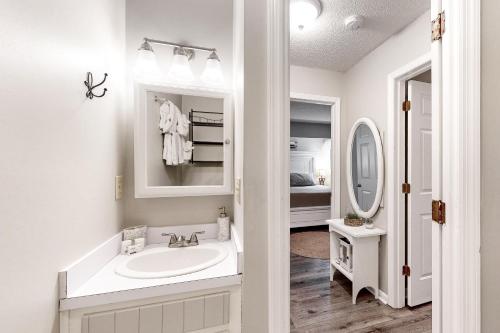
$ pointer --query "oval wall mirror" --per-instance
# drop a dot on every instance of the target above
(365, 167)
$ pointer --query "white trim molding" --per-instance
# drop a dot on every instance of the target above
(278, 131)
(461, 67)
(395, 166)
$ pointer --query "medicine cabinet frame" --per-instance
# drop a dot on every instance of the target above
(142, 189)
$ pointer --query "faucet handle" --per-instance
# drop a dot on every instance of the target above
(194, 238)
(173, 237)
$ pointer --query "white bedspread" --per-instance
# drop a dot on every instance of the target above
(310, 189)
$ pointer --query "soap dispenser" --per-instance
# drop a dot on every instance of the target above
(223, 223)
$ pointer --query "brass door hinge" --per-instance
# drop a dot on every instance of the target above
(405, 188)
(438, 211)
(438, 27)
(406, 106)
(406, 270)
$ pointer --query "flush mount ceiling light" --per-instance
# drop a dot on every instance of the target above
(303, 13)
(180, 70)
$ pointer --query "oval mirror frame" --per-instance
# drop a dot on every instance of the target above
(380, 168)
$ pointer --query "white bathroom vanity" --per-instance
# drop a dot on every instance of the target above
(108, 292)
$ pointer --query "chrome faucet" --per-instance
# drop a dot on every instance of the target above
(181, 241)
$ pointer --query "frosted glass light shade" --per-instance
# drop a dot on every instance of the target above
(180, 70)
(303, 13)
(212, 74)
(146, 67)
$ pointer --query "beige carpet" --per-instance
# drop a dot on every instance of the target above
(311, 244)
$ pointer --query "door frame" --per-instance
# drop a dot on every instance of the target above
(395, 166)
(457, 58)
(334, 103)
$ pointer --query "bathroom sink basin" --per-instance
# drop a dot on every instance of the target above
(162, 262)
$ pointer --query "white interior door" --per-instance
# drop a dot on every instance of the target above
(366, 165)
(420, 198)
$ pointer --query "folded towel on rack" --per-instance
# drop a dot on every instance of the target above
(188, 150)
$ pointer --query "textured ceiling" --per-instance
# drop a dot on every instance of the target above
(328, 44)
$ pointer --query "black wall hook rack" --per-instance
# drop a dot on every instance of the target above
(89, 83)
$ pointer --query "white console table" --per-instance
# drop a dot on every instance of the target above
(364, 257)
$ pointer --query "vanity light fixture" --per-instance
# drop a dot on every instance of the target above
(212, 74)
(180, 69)
(146, 66)
(304, 12)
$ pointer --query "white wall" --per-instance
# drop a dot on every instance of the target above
(255, 282)
(316, 81)
(202, 23)
(366, 96)
(60, 151)
(490, 160)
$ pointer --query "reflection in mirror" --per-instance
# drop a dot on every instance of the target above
(364, 167)
(184, 140)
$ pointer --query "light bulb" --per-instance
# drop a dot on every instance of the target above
(303, 12)
(146, 67)
(212, 74)
(180, 70)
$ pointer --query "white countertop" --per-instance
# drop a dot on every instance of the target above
(356, 232)
(108, 287)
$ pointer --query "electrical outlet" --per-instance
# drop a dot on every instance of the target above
(118, 187)
(237, 189)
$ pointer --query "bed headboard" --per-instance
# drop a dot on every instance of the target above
(302, 162)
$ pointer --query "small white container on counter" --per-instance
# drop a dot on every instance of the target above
(125, 245)
(135, 232)
(223, 224)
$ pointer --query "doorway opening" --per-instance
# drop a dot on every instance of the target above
(352, 276)
(418, 189)
(409, 191)
(456, 103)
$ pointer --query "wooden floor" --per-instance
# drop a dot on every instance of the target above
(317, 306)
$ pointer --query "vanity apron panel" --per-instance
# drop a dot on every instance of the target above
(189, 315)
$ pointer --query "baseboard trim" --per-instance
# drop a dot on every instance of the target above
(382, 297)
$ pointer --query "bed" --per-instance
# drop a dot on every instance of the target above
(309, 205)
(310, 196)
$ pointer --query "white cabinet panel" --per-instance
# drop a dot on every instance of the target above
(214, 310)
(85, 324)
(226, 308)
(194, 316)
(180, 316)
(173, 317)
(102, 323)
(150, 319)
(127, 321)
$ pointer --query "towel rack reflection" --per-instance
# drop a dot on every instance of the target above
(160, 100)
(199, 119)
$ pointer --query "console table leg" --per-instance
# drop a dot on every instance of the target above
(332, 271)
